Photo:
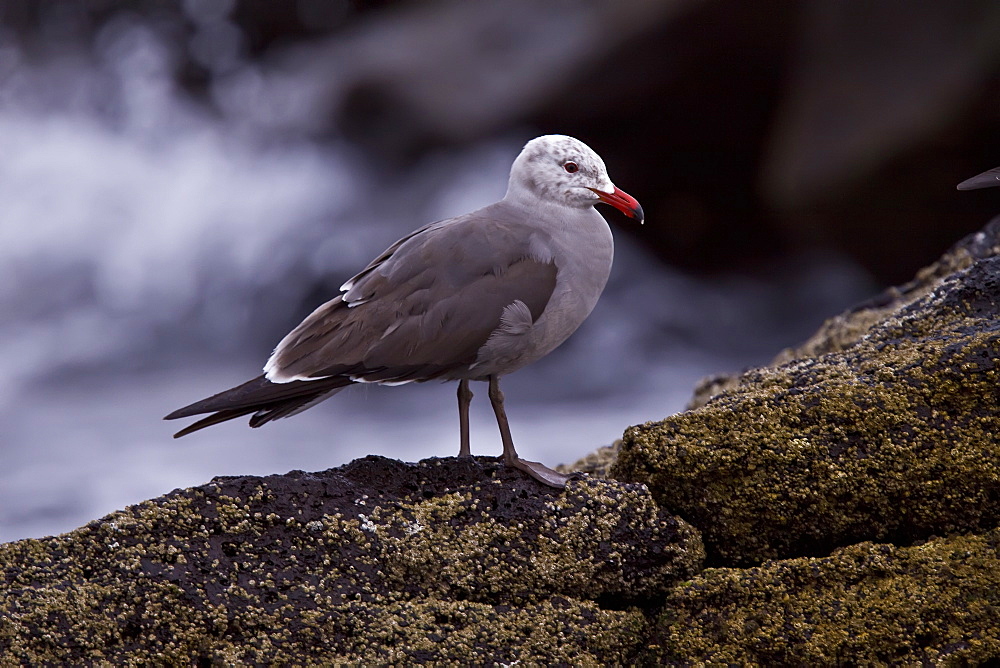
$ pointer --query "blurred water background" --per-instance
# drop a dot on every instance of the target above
(182, 182)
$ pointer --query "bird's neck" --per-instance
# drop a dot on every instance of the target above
(529, 201)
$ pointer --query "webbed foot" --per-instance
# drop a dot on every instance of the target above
(543, 473)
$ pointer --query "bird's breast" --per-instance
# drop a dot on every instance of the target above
(583, 258)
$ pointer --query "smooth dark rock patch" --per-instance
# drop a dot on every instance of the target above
(376, 561)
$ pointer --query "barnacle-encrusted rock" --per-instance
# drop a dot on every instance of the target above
(868, 604)
(377, 561)
(597, 463)
(884, 429)
(846, 329)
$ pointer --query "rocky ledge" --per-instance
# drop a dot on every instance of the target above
(846, 499)
(882, 427)
(374, 562)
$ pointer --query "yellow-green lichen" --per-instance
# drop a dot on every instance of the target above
(891, 438)
(868, 604)
(319, 568)
(597, 463)
(846, 329)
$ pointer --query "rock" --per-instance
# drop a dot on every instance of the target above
(374, 562)
(844, 330)
(597, 463)
(882, 427)
(868, 604)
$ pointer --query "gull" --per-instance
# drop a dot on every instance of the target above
(470, 298)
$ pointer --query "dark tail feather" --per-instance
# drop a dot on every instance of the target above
(290, 407)
(253, 392)
(216, 418)
(268, 400)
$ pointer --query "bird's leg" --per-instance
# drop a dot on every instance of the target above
(464, 399)
(539, 472)
(496, 398)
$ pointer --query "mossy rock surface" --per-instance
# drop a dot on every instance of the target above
(846, 329)
(597, 463)
(886, 429)
(377, 561)
(937, 603)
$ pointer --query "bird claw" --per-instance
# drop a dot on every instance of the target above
(543, 473)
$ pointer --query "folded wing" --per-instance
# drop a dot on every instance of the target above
(420, 311)
(424, 309)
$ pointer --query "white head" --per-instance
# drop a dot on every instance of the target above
(566, 171)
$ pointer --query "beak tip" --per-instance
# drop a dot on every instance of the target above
(623, 202)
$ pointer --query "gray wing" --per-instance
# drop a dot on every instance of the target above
(425, 307)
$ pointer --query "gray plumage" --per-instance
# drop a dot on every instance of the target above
(473, 297)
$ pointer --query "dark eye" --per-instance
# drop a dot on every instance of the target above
(571, 167)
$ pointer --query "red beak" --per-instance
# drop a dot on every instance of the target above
(622, 201)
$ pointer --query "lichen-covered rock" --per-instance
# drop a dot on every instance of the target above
(377, 561)
(885, 431)
(846, 329)
(597, 463)
(868, 604)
